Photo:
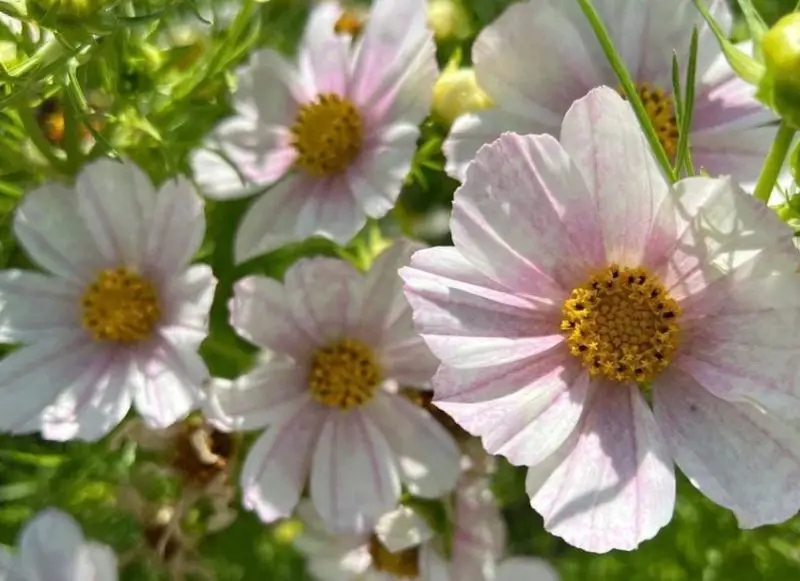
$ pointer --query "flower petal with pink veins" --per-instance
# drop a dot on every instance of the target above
(427, 455)
(168, 383)
(524, 410)
(376, 177)
(33, 306)
(738, 456)
(185, 305)
(278, 463)
(707, 228)
(394, 68)
(217, 177)
(94, 404)
(32, 377)
(325, 297)
(526, 569)
(738, 152)
(467, 319)
(471, 131)
(53, 234)
(524, 217)
(117, 202)
(354, 476)
(259, 311)
(176, 230)
(601, 134)
(323, 57)
(616, 487)
(263, 396)
(296, 208)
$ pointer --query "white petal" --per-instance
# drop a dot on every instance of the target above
(323, 54)
(401, 529)
(52, 232)
(216, 177)
(427, 455)
(602, 136)
(96, 562)
(263, 396)
(737, 455)
(526, 569)
(354, 478)
(278, 463)
(176, 230)
(48, 546)
(33, 306)
(432, 566)
(117, 202)
(186, 303)
(615, 488)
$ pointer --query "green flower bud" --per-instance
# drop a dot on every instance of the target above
(457, 92)
(780, 86)
(448, 20)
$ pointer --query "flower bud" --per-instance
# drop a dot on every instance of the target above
(456, 92)
(448, 20)
(780, 86)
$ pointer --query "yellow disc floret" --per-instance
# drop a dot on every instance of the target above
(402, 564)
(120, 306)
(327, 135)
(660, 109)
(344, 374)
(622, 324)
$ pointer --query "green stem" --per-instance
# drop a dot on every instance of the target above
(774, 163)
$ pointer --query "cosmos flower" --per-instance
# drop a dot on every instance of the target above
(339, 126)
(597, 325)
(339, 347)
(403, 547)
(729, 133)
(52, 546)
(118, 314)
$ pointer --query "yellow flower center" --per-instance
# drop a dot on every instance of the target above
(327, 135)
(660, 109)
(120, 306)
(344, 374)
(349, 23)
(622, 323)
(403, 564)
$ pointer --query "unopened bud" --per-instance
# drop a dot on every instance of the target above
(448, 20)
(456, 92)
(780, 87)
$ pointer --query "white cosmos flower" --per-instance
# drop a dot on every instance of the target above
(117, 315)
(52, 548)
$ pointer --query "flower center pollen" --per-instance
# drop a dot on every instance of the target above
(344, 374)
(120, 306)
(622, 324)
(403, 564)
(349, 23)
(660, 109)
(327, 135)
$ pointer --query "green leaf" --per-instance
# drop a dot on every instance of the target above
(683, 157)
(755, 24)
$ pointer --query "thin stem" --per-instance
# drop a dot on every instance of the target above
(774, 163)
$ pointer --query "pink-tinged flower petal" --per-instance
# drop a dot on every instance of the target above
(176, 230)
(296, 208)
(408, 362)
(33, 306)
(323, 57)
(522, 410)
(53, 234)
(217, 177)
(376, 178)
(604, 139)
(259, 311)
(94, 404)
(270, 90)
(185, 304)
(402, 529)
(540, 91)
(738, 456)
(325, 297)
(427, 455)
(524, 217)
(615, 488)
(96, 562)
(394, 67)
(32, 377)
(467, 319)
(739, 153)
(277, 464)
(706, 229)
(526, 569)
(354, 477)
(117, 202)
(265, 395)
(432, 566)
(167, 384)
(470, 132)
(48, 545)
